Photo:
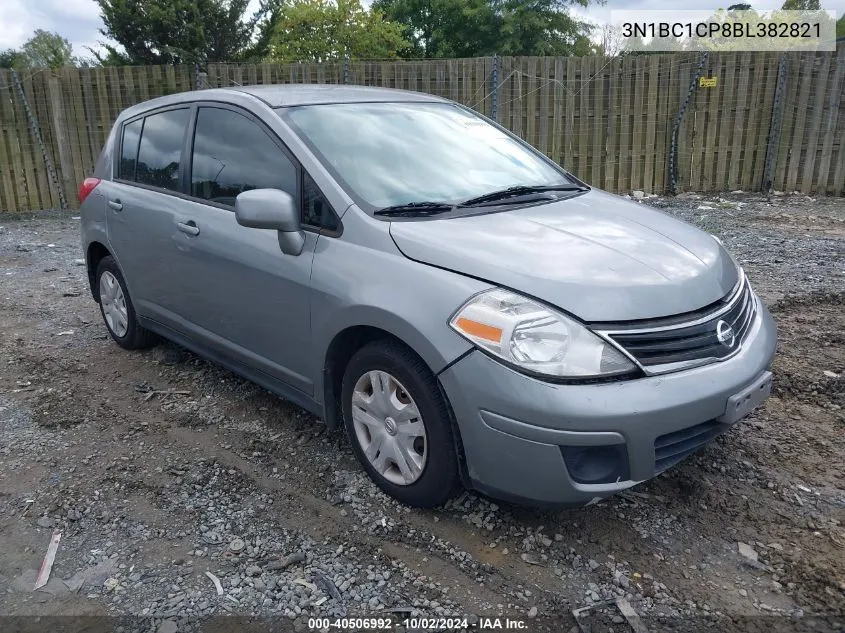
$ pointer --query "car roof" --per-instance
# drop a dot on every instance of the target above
(283, 95)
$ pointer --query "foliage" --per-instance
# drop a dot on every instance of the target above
(150, 31)
(471, 28)
(182, 31)
(226, 32)
(801, 5)
(583, 46)
(329, 30)
(42, 50)
(840, 27)
(751, 19)
(610, 41)
(10, 58)
(440, 28)
(265, 20)
(538, 27)
(655, 46)
(738, 19)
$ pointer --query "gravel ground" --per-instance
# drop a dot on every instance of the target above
(152, 492)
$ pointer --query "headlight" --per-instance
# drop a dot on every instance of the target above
(536, 338)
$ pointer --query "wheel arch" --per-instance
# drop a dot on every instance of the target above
(346, 330)
(94, 254)
(340, 350)
(338, 354)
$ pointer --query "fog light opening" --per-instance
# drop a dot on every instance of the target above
(596, 464)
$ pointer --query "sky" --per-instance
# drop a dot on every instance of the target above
(79, 20)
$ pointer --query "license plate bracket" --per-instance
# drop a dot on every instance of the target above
(744, 402)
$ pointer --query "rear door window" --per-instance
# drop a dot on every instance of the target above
(160, 150)
(232, 154)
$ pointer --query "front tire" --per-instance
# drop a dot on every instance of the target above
(117, 309)
(398, 424)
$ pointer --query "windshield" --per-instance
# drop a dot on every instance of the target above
(389, 154)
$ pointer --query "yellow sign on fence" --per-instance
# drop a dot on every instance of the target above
(707, 82)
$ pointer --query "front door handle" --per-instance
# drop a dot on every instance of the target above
(190, 227)
(117, 205)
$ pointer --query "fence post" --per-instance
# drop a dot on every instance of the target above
(54, 89)
(35, 130)
(346, 69)
(774, 128)
(676, 126)
(495, 110)
(200, 78)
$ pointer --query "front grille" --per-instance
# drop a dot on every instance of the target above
(697, 341)
(671, 448)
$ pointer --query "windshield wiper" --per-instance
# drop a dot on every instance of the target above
(419, 209)
(426, 208)
(519, 190)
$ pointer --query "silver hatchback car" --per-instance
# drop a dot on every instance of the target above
(397, 264)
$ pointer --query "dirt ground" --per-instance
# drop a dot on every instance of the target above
(150, 490)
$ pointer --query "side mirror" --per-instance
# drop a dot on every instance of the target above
(272, 209)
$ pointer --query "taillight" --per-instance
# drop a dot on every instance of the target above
(88, 185)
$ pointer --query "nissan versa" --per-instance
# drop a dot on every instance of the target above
(395, 263)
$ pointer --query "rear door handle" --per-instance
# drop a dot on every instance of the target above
(117, 205)
(190, 227)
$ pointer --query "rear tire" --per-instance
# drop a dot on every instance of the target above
(116, 307)
(399, 424)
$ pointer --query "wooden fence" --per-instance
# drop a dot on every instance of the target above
(771, 119)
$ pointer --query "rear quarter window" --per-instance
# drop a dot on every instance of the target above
(129, 150)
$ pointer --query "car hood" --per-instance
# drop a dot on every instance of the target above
(597, 256)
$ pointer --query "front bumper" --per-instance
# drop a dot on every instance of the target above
(513, 426)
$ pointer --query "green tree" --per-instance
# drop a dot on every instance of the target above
(655, 46)
(227, 33)
(840, 27)
(751, 19)
(469, 28)
(181, 31)
(46, 50)
(801, 5)
(10, 58)
(730, 17)
(329, 30)
(539, 27)
(444, 28)
(264, 20)
(584, 47)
